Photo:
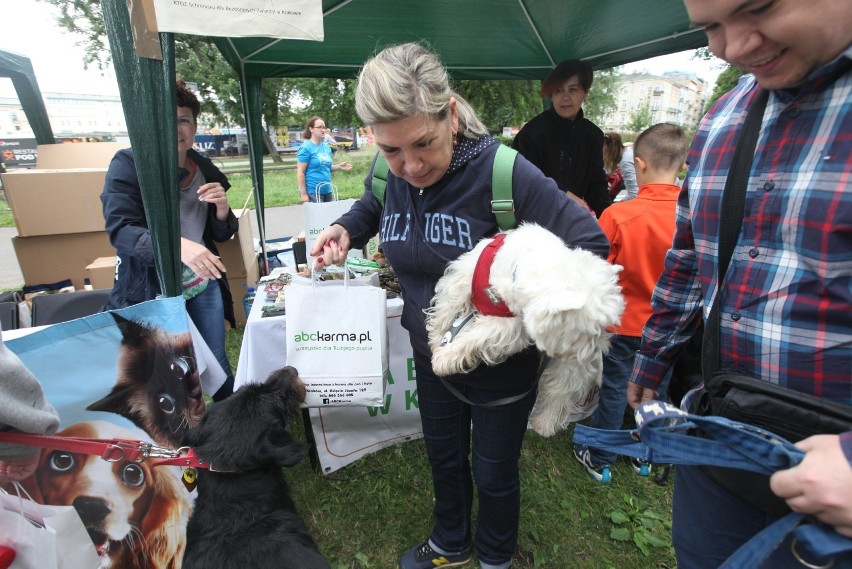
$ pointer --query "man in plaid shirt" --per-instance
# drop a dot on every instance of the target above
(786, 301)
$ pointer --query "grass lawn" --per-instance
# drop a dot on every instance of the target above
(280, 187)
(366, 514)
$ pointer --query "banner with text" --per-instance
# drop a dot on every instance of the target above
(290, 19)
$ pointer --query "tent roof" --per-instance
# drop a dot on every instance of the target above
(476, 39)
(20, 70)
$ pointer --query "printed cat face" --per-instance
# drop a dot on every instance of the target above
(157, 385)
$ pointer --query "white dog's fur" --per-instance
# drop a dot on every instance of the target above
(563, 300)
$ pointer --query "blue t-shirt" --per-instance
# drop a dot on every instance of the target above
(318, 158)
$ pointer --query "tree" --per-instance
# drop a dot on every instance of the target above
(501, 103)
(640, 119)
(332, 99)
(724, 83)
(727, 78)
(603, 96)
(197, 61)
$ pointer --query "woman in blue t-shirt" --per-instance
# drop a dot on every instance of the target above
(314, 164)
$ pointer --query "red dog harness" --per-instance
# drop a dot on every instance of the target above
(483, 296)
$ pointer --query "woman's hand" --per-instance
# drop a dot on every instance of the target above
(305, 198)
(199, 258)
(214, 193)
(821, 484)
(330, 247)
(342, 166)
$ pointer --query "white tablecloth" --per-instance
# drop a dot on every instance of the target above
(342, 434)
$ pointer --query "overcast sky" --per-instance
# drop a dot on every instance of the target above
(58, 62)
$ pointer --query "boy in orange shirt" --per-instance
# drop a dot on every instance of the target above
(640, 231)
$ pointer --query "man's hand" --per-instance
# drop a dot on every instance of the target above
(821, 484)
(636, 394)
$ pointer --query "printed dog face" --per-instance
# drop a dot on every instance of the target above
(136, 515)
(157, 385)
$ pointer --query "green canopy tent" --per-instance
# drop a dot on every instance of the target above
(476, 39)
(19, 69)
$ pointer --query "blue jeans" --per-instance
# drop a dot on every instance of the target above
(617, 366)
(451, 429)
(317, 198)
(208, 314)
(709, 523)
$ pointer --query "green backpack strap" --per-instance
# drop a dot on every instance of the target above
(502, 204)
(380, 178)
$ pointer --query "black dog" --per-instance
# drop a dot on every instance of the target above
(244, 515)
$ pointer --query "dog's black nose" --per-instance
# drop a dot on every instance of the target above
(92, 510)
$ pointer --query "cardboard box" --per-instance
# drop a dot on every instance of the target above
(49, 202)
(101, 272)
(77, 154)
(52, 258)
(238, 252)
(239, 286)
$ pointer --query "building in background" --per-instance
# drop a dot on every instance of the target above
(675, 97)
(71, 116)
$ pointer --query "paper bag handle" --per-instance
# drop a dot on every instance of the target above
(314, 278)
(334, 193)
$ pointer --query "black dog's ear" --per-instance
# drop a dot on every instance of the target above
(285, 450)
(192, 437)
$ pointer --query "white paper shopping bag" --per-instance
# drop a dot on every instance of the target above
(45, 537)
(337, 340)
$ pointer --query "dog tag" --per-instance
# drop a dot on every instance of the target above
(189, 479)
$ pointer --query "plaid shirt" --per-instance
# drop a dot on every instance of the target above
(786, 304)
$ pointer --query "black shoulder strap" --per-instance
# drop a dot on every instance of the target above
(502, 204)
(730, 223)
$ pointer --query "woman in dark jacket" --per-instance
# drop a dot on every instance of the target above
(437, 207)
(205, 218)
(563, 144)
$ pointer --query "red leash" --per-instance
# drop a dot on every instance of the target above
(111, 450)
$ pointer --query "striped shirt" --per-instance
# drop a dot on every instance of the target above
(786, 304)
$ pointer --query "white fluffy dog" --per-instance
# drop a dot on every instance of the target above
(561, 299)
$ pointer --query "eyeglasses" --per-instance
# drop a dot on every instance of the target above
(320, 127)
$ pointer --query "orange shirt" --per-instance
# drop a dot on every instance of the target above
(640, 231)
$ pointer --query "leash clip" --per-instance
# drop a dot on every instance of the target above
(456, 327)
(148, 450)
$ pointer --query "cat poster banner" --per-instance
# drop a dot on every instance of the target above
(126, 374)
